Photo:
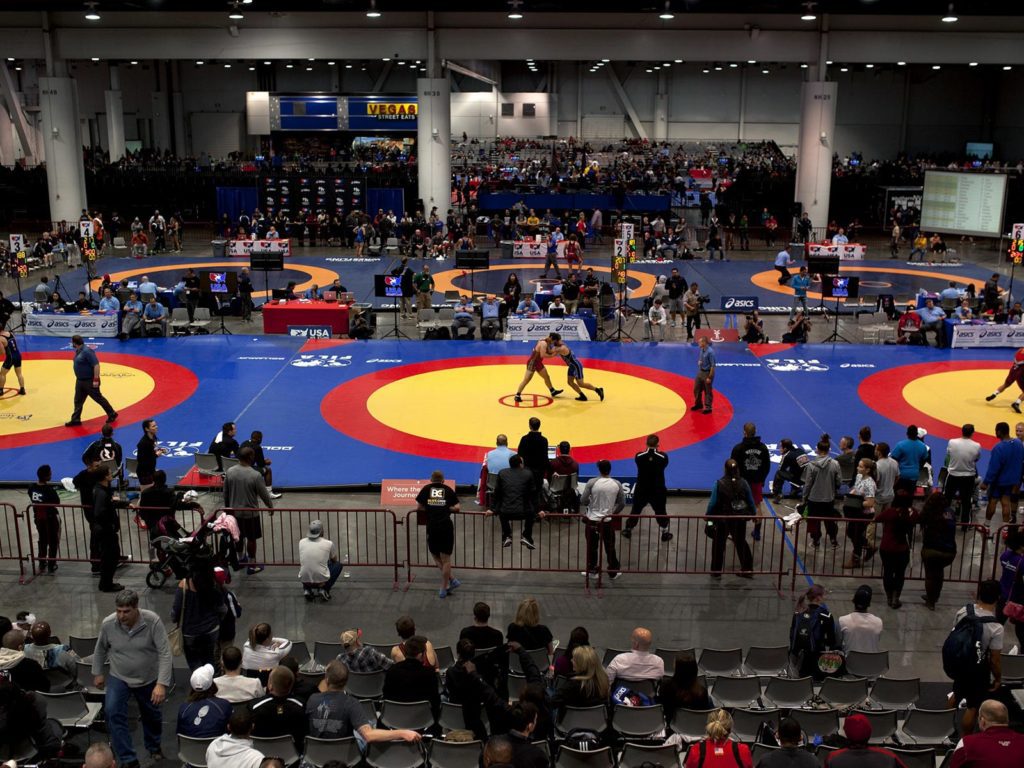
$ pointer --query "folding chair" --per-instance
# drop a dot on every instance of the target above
(789, 692)
(592, 718)
(201, 320)
(609, 654)
(821, 722)
(277, 746)
(639, 722)
(929, 726)
(193, 751)
(300, 652)
(451, 717)
(86, 678)
(843, 693)
(867, 664)
(516, 684)
(573, 758)
(179, 321)
(538, 655)
(84, 647)
(766, 660)
(325, 652)
(321, 751)
(760, 750)
(445, 657)
(414, 715)
(452, 754)
(206, 465)
(746, 722)
(916, 758)
(736, 691)
(890, 693)
(395, 754)
(883, 723)
(646, 687)
(690, 723)
(1013, 668)
(669, 656)
(70, 709)
(635, 755)
(365, 685)
(715, 662)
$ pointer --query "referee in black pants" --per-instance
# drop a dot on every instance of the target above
(650, 488)
(87, 383)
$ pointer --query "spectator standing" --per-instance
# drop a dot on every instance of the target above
(754, 460)
(974, 664)
(703, 392)
(782, 264)
(108, 525)
(198, 608)
(87, 383)
(244, 488)
(938, 545)
(898, 521)
(811, 633)
(962, 455)
(887, 470)
(46, 517)
(911, 454)
(731, 498)
(604, 498)
(821, 482)
(134, 642)
(650, 488)
(1003, 476)
(438, 502)
(319, 568)
(860, 631)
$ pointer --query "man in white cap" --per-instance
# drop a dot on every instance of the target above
(318, 563)
(204, 714)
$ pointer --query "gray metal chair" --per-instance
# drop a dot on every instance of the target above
(516, 684)
(414, 715)
(640, 722)
(789, 692)
(86, 678)
(823, 722)
(445, 657)
(277, 746)
(300, 652)
(843, 693)
(179, 321)
(317, 752)
(609, 654)
(538, 655)
(883, 723)
(451, 717)
(84, 647)
(193, 751)
(635, 755)
(206, 465)
(746, 722)
(395, 754)
(760, 750)
(766, 660)
(324, 653)
(70, 709)
(452, 754)
(690, 723)
(929, 726)
(736, 691)
(1013, 668)
(867, 664)
(891, 693)
(592, 718)
(716, 662)
(646, 687)
(573, 758)
(916, 758)
(669, 656)
(365, 685)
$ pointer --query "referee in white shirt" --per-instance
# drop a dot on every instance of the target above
(962, 454)
(602, 497)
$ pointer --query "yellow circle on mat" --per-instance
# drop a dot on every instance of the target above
(958, 397)
(51, 392)
(465, 406)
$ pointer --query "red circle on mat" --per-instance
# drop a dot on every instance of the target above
(344, 408)
(172, 385)
(883, 392)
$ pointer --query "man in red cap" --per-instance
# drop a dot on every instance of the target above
(996, 746)
(859, 755)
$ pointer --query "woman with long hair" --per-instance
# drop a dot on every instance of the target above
(938, 545)
(589, 684)
(718, 749)
(731, 496)
(262, 650)
(512, 290)
(198, 607)
(898, 521)
(858, 506)
(577, 638)
(685, 689)
(527, 630)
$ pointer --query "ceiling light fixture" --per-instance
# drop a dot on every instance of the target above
(330, 63)
(252, 69)
(718, 68)
(515, 9)
(227, 66)
(667, 15)
(973, 64)
(199, 62)
(289, 66)
(808, 14)
(901, 63)
(803, 66)
(95, 58)
(133, 62)
(764, 71)
(10, 58)
(348, 66)
(869, 66)
(733, 65)
(309, 69)
(266, 63)
(373, 13)
(236, 16)
(1007, 68)
(844, 69)
(936, 66)
(950, 17)
(706, 71)
(91, 14)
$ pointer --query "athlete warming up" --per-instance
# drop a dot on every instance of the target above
(536, 365)
(1015, 375)
(575, 375)
(12, 359)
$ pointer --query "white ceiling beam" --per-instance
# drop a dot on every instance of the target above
(626, 103)
(9, 95)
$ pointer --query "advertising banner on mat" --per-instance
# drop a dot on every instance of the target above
(533, 329)
(968, 336)
(310, 331)
(246, 247)
(45, 324)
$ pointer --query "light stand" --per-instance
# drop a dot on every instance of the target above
(836, 336)
(220, 311)
(21, 304)
(396, 331)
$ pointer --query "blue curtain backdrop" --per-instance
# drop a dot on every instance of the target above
(235, 200)
(389, 199)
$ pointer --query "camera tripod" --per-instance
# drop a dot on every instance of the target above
(835, 336)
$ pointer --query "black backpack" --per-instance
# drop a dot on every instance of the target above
(962, 654)
(583, 740)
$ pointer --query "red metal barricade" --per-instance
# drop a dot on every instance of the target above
(11, 546)
(368, 537)
(970, 566)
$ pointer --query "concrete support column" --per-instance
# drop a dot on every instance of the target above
(178, 111)
(65, 170)
(433, 137)
(814, 151)
(661, 108)
(6, 137)
(115, 116)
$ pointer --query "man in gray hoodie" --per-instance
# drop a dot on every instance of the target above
(821, 484)
(134, 642)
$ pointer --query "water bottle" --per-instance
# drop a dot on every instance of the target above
(344, 567)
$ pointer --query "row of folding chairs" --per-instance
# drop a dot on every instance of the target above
(841, 692)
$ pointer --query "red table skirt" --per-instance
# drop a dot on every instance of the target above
(277, 317)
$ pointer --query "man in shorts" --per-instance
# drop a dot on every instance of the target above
(12, 359)
(575, 377)
(1014, 376)
(535, 364)
(438, 501)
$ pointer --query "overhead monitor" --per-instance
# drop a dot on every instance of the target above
(963, 203)
(840, 286)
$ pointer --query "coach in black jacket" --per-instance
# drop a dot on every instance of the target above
(515, 498)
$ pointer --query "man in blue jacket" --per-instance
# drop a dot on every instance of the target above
(1002, 478)
(911, 454)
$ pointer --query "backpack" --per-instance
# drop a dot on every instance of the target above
(808, 631)
(962, 655)
(583, 740)
(703, 749)
(627, 697)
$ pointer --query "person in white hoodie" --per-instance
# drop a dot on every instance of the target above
(234, 749)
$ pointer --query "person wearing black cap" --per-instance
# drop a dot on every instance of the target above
(860, 630)
(791, 753)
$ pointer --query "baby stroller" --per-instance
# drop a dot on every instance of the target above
(177, 553)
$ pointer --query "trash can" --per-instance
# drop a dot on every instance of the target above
(220, 248)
